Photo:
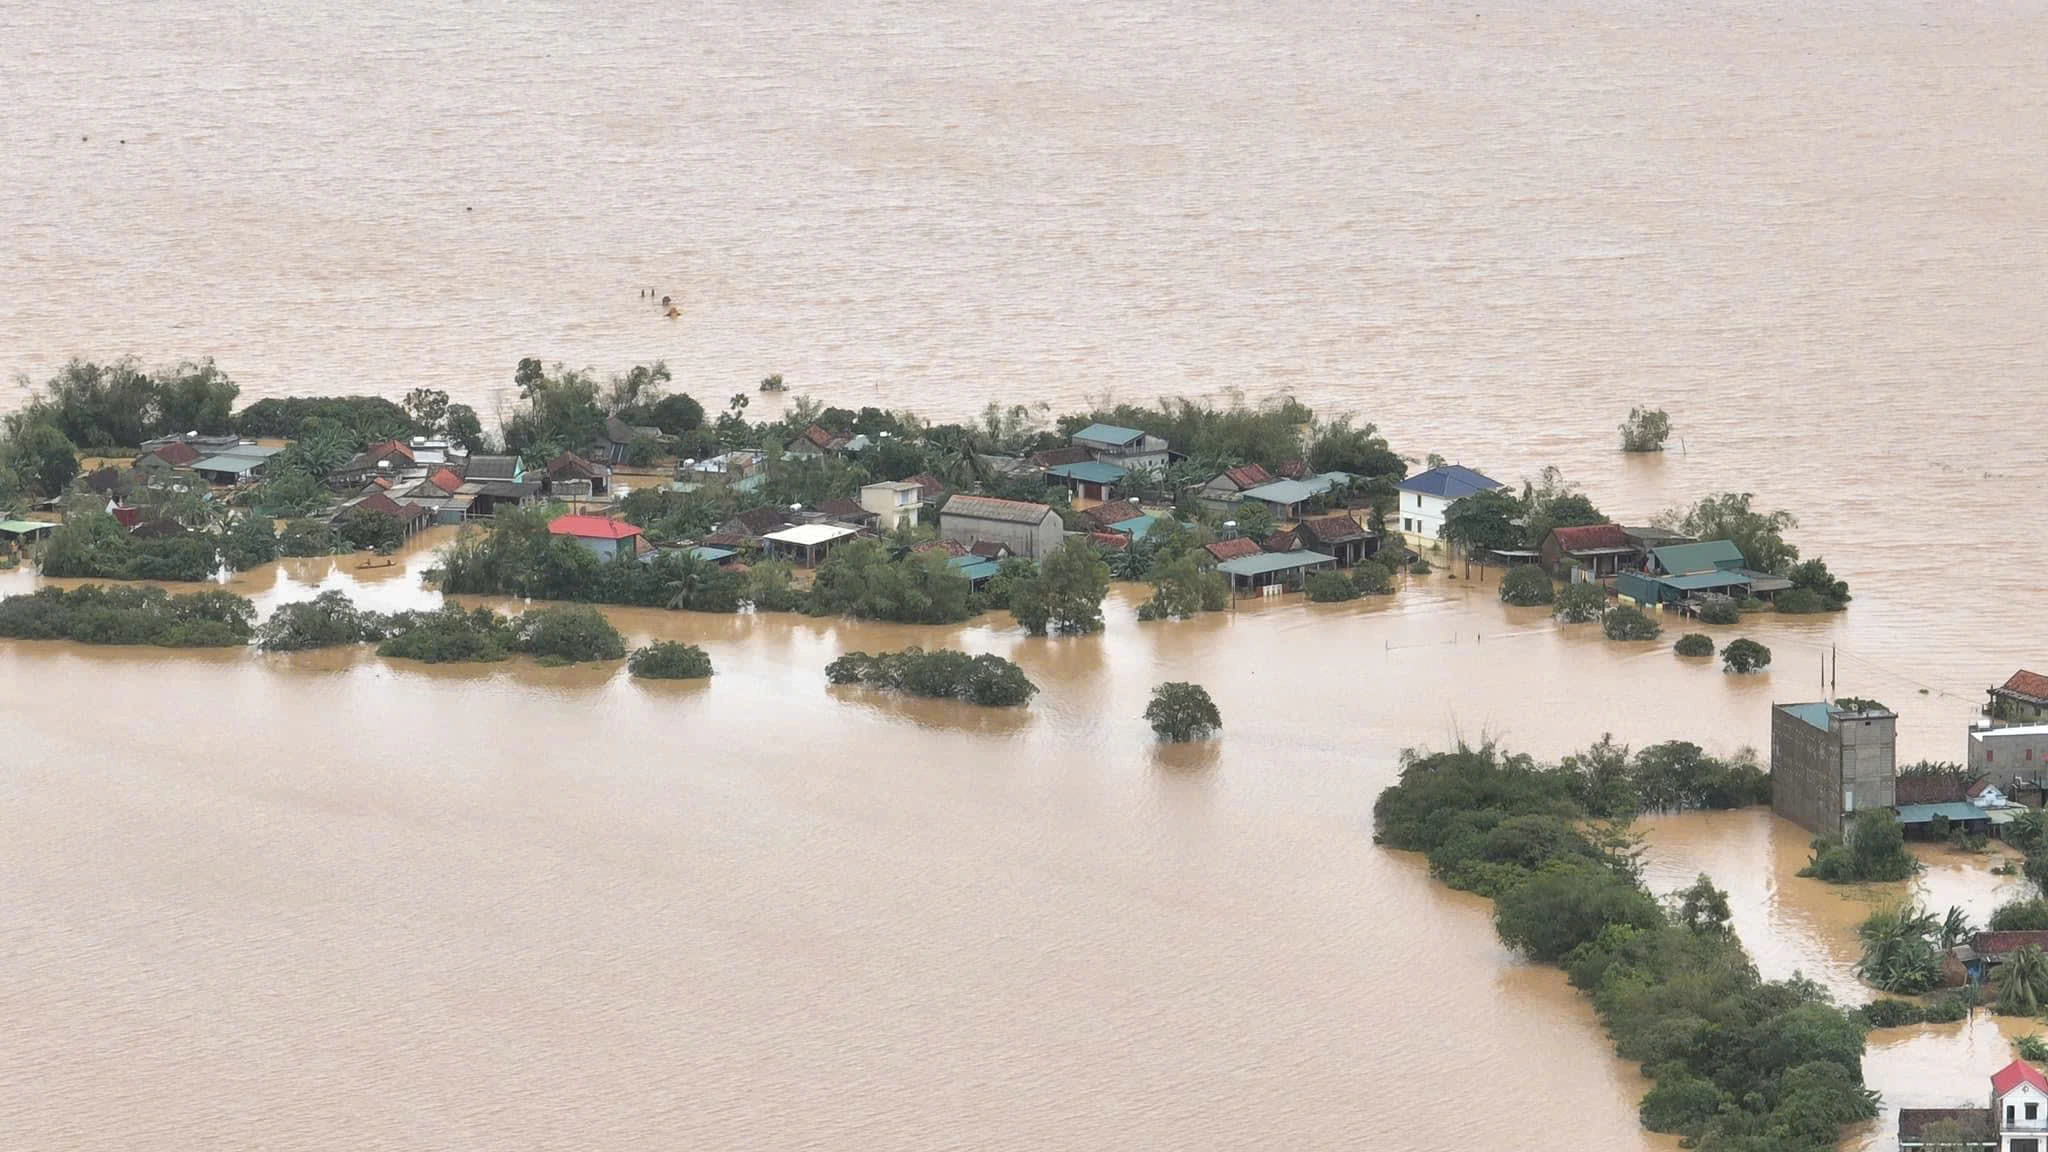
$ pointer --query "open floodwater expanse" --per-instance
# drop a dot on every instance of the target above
(332, 902)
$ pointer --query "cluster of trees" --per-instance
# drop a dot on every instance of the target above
(561, 409)
(1607, 781)
(1063, 595)
(93, 614)
(118, 405)
(1500, 520)
(1623, 622)
(1183, 588)
(941, 674)
(564, 634)
(1873, 849)
(2029, 834)
(1366, 578)
(1738, 1062)
(93, 545)
(1180, 712)
(669, 660)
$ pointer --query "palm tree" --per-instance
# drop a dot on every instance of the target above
(1898, 950)
(2022, 982)
(1955, 928)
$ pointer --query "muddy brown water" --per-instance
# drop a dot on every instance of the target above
(326, 901)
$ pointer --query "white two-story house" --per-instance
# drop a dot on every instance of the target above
(1425, 496)
(2017, 1120)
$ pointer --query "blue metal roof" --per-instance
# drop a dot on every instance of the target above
(1109, 434)
(706, 552)
(1266, 562)
(1925, 813)
(1281, 492)
(1814, 714)
(976, 568)
(1450, 481)
(1089, 472)
(1136, 526)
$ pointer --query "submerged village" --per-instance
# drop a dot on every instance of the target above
(131, 487)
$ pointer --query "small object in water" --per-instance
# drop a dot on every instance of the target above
(664, 301)
(674, 312)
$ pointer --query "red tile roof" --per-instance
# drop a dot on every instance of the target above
(2000, 943)
(949, 547)
(1233, 549)
(2015, 1074)
(1293, 469)
(380, 503)
(733, 540)
(126, 516)
(446, 480)
(825, 441)
(929, 486)
(1588, 536)
(1332, 529)
(1976, 789)
(1054, 457)
(571, 465)
(1284, 540)
(1113, 541)
(592, 528)
(177, 453)
(387, 449)
(2029, 684)
(1249, 475)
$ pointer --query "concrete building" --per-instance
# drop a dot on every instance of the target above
(2016, 1121)
(1029, 530)
(2022, 699)
(2010, 757)
(1127, 448)
(1425, 496)
(894, 503)
(1828, 762)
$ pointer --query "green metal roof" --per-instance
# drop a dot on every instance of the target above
(1925, 813)
(1090, 472)
(23, 527)
(1266, 562)
(1109, 434)
(1704, 556)
(1282, 492)
(1814, 714)
(976, 567)
(1136, 526)
(1701, 581)
(706, 552)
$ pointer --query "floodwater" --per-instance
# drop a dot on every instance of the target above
(331, 902)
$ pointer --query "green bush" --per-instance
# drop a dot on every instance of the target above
(2020, 916)
(1580, 603)
(1329, 587)
(1693, 644)
(308, 538)
(364, 528)
(669, 660)
(1420, 567)
(1625, 623)
(1180, 712)
(1801, 602)
(1525, 585)
(567, 635)
(1372, 578)
(1874, 850)
(94, 546)
(249, 542)
(449, 636)
(1720, 610)
(987, 680)
(93, 614)
(1745, 655)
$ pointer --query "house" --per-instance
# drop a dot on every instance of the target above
(1990, 949)
(433, 451)
(1675, 573)
(806, 544)
(930, 488)
(411, 517)
(238, 465)
(1425, 496)
(481, 499)
(25, 531)
(1646, 538)
(443, 480)
(892, 503)
(742, 470)
(846, 512)
(1588, 552)
(2015, 757)
(601, 535)
(1221, 493)
(1089, 480)
(1030, 530)
(619, 437)
(506, 469)
(1338, 536)
(756, 522)
(814, 441)
(386, 458)
(1127, 448)
(166, 458)
(975, 569)
(1272, 573)
(1985, 794)
(2016, 1121)
(1233, 549)
(1054, 457)
(571, 475)
(2022, 699)
(1828, 762)
(1283, 498)
(1933, 821)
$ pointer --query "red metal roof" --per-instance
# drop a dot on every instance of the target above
(1586, 536)
(446, 480)
(1113, 541)
(2000, 943)
(177, 453)
(2025, 683)
(388, 449)
(126, 516)
(1248, 475)
(1332, 529)
(1293, 470)
(592, 528)
(380, 503)
(2015, 1074)
(1234, 549)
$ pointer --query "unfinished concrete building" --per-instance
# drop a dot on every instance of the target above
(1829, 762)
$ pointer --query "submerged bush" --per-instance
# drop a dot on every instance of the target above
(1525, 585)
(669, 660)
(1329, 587)
(1625, 623)
(1745, 655)
(567, 635)
(449, 636)
(1874, 850)
(1580, 603)
(93, 614)
(1372, 578)
(325, 621)
(309, 538)
(1720, 610)
(987, 680)
(1180, 712)
(1693, 644)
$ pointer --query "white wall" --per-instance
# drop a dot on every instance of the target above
(1422, 515)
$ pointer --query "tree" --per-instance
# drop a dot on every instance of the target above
(1645, 430)
(1703, 909)
(567, 635)
(1899, 954)
(987, 680)
(1625, 623)
(1554, 502)
(194, 396)
(1955, 928)
(1182, 588)
(43, 456)
(1567, 904)
(1693, 644)
(2022, 982)
(2020, 916)
(1484, 522)
(249, 541)
(1814, 589)
(1745, 655)
(325, 621)
(1361, 451)
(1065, 596)
(1254, 520)
(1759, 536)
(428, 407)
(1180, 712)
(464, 428)
(1328, 586)
(1525, 585)
(669, 660)
(1580, 603)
